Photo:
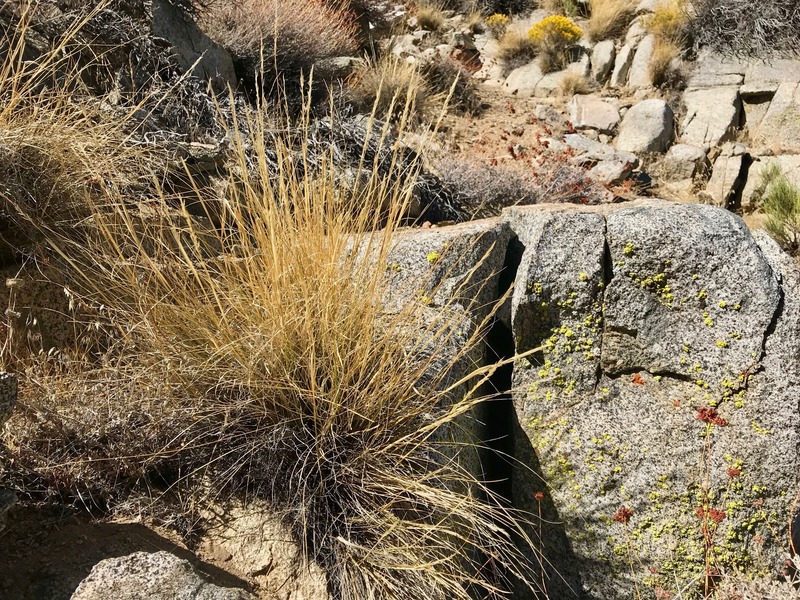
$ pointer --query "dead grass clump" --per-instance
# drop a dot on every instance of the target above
(664, 64)
(516, 49)
(449, 79)
(257, 358)
(390, 84)
(277, 363)
(609, 18)
(273, 41)
(573, 83)
(669, 24)
(430, 17)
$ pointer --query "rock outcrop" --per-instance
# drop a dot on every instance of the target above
(657, 401)
(156, 576)
(666, 384)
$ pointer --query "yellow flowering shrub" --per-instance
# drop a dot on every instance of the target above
(497, 24)
(555, 30)
(552, 36)
(669, 21)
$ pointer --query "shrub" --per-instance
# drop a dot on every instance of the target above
(259, 352)
(781, 204)
(570, 8)
(497, 24)
(609, 18)
(670, 21)
(388, 85)
(516, 49)
(276, 40)
(553, 36)
(740, 28)
(447, 78)
(507, 7)
(430, 17)
(662, 66)
(475, 22)
(573, 83)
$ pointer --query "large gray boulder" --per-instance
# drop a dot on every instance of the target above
(603, 55)
(151, 576)
(712, 116)
(639, 76)
(193, 49)
(666, 384)
(647, 127)
(593, 112)
(683, 162)
(779, 130)
(727, 179)
(622, 66)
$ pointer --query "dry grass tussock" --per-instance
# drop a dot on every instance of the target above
(516, 48)
(430, 16)
(284, 35)
(609, 18)
(388, 85)
(57, 151)
(256, 358)
(573, 83)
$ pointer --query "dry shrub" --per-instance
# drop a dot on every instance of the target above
(573, 83)
(266, 358)
(484, 190)
(449, 79)
(280, 35)
(390, 84)
(54, 150)
(741, 28)
(474, 22)
(507, 7)
(570, 8)
(663, 68)
(609, 18)
(430, 17)
(516, 49)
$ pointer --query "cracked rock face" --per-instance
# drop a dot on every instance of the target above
(667, 384)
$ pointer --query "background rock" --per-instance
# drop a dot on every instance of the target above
(693, 313)
(646, 127)
(712, 116)
(156, 576)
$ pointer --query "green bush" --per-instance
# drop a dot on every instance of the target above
(782, 207)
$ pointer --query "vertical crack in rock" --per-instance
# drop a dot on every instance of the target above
(607, 274)
(497, 414)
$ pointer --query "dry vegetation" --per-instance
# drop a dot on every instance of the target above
(253, 356)
(389, 85)
(609, 18)
(280, 36)
(742, 28)
(430, 17)
(669, 24)
(516, 48)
